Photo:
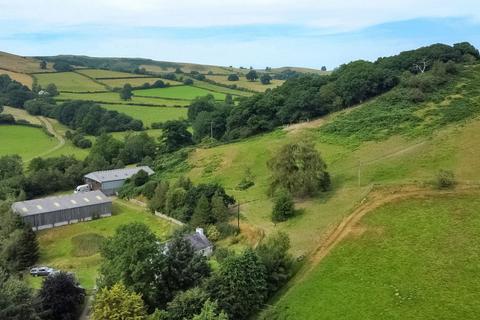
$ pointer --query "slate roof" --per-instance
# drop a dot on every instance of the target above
(198, 241)
(50, 204)
(117, 174)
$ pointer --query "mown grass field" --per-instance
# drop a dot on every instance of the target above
(27, 142)
(21, 114)
(414, 259)
(67, 248)
(149, 114)
(135, 82)
(178, 92)
(69, 81)
(244, 83)
(23, 78)
(113, 97)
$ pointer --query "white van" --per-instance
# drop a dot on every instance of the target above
(82, 188)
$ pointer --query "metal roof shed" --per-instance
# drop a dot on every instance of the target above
(110, 181)
(60, 210)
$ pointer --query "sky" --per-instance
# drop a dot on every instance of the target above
(256, 33)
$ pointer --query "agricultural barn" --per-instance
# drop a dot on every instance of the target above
(110, 181)
(57, 211)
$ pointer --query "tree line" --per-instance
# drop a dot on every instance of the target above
(308, 96)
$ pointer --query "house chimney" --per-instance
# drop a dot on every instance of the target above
(199, 231)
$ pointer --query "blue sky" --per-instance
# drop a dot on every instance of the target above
(254, 33)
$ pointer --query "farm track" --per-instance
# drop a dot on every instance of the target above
(375, 199)
(48, 126)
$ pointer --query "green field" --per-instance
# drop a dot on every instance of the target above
(178, 92)
(216, 88)
(149, 114)
(27, 142)
(113, 97)
(415, 259)
(99, 73)
(60, 247)
(69, 81)
(244, 83)
(135, 82)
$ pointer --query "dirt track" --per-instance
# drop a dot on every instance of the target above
(374, 200)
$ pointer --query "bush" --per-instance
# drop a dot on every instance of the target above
(445, 179)
(233, 77)
(212, 233)
(284, 207)
(188, 82)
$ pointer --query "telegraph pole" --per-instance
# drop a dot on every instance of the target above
(359, 172)
(211, 129)
(238, 218)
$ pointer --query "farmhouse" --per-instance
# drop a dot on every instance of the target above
(200, 242)
(110, 181)
(56, 211)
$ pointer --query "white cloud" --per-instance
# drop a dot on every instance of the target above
(330, 15)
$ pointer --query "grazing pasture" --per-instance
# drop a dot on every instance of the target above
(23, 78)
(135, 82)
(27, 142)
(178, 92)
(149, 114)
(413, 259)
(21, 114)
(114, 98)
(69, 81)
(244, 83)
(74, 247)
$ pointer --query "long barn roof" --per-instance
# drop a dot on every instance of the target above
(50, 204)
(117, 174)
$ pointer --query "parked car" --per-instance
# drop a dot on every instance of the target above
(41, 271)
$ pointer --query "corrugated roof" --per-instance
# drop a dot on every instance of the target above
(117, 174)
(76, 200)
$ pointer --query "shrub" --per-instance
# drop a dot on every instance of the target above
(445, 179)
(212, 233)
(233, 77)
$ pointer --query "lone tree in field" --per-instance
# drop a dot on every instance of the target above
(43, 65)
(265, 78)
(233, 77)
(298, 168)
(283, 208)
(251, 75)
(126, 92)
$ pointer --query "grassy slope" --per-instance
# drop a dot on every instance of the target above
(178, 92)
(394, 160)
(21, 64)
(69, 81)
(27, 142)
(149, 114)
(57, 247)
(415, 259)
